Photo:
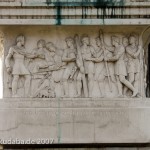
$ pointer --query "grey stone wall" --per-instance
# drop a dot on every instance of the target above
(81, 12)
(50, 12)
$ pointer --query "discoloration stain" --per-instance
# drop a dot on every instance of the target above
(58, 122)
(58, 15)
(58, 6)
(81, 3)
(110, 5)
(102, 7)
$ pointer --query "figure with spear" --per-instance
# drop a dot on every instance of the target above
(103, 68)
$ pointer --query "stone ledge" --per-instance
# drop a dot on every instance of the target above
(79, 124)
(75, 22)
(52, 3)
(75, 103)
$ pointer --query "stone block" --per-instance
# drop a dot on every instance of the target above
(95, 121)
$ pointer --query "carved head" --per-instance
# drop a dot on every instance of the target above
(20, 39)
(70, 42)
(125, 41)
(41, 43)
(51, 47)
(85, 39)
(115, 40)
(98, 42)
(132, 39)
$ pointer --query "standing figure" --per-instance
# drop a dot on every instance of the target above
(100, 66)
(120, 68)
(125, 43)
(81, 78)
(87, 52)
(69, 57)
(103, 68)
(18, 53)
(133, 65)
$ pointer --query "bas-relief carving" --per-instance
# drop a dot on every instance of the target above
(18, 70)
(80, 69)
(1, 44)
(1, 62)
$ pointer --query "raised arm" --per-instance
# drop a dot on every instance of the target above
(30, 55)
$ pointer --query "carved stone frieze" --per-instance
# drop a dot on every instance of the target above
(79, 69)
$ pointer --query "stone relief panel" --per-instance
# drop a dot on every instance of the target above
(1, 62)
(84, 66)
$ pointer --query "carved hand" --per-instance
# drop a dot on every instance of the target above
(103, 47)
(98, 59)
(140, 47)
(59, 65)
(40, 55)
(9, 70)
(40, 83)
(106, 59)
(34, 54)
(89, 59)
(101, 58)
(82, 69)
(135, 55)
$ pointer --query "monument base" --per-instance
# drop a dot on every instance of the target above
(75, 120)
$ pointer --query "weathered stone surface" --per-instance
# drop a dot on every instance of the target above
(112, 148)
(75, 64)
(102, 122)
(80, 119)
(74, 12)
